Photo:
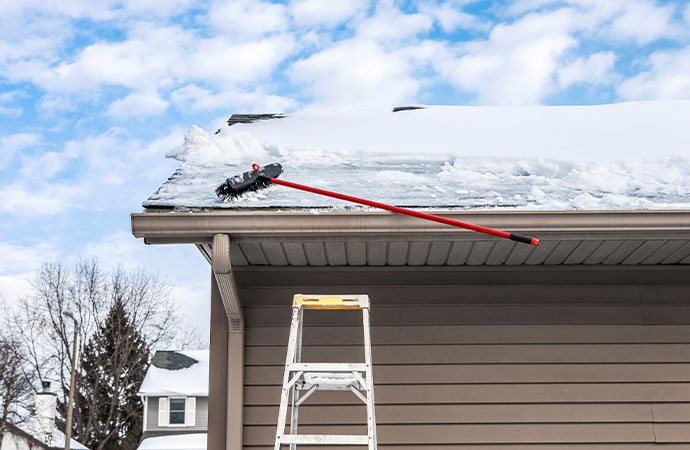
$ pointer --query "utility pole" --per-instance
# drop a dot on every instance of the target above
(70, 407)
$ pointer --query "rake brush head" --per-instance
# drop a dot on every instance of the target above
(257, 179)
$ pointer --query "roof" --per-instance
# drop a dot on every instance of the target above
(172, 373)
(626, 156)
(195, 441)
(30, 430)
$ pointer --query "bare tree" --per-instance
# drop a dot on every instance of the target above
(15, 382)
(90, 294)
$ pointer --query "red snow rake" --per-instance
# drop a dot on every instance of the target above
(261, 177)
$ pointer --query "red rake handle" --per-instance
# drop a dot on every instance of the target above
(409, 212)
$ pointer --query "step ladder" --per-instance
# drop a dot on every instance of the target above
(308, 378)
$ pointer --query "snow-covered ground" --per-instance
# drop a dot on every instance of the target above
(622, 156)
(196, 441)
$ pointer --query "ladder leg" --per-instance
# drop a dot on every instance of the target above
(371, 416)
(294, 413)
(290, 358)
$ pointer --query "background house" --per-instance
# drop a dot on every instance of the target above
(39, 431)
(580, 342)
(175, 396)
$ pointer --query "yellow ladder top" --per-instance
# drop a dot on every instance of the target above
(307, 301)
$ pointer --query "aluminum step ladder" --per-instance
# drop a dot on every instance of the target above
(307, 378)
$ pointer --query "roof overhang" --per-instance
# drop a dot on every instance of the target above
(199, 227)
(322, 238)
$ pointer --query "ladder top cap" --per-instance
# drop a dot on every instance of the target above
(337, 301)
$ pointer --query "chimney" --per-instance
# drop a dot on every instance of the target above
(46, 408)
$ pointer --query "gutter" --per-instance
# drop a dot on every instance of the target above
(200, 227)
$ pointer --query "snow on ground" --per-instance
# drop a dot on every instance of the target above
(195, 441)
(190, 381)
(622, 156)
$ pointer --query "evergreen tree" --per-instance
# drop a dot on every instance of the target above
(112, 368)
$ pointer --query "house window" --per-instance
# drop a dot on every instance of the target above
(177, 411)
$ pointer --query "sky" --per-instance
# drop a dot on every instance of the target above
(94, 93)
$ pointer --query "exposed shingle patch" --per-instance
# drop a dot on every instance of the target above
(250, 118)
(169, 360)
(407, 108)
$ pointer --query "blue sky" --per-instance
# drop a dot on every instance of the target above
(94, 93)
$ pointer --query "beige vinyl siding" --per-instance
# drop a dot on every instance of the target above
(201, 417)
(546, 366)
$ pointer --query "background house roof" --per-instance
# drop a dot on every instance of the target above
(31, 430)
(171, 379)
(613, 157)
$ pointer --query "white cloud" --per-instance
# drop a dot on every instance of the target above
(517, 63)
(99, 171)
(35, 199)
(42, 165)
(13, 143)
(389, 24)
(195, 98)
(138, 104)
(73, 8)
(95, 10)
(224, 63)
(156, 59)
(11, 111)
(356, 73)
(17, 265)
(13, 287)
(17, 258)
(596, 68)
(148, 57)
(120, 248)
(247, 19)
(325, 12)
(8, 106)
(667, 78)
(450, 17)
(644, 21)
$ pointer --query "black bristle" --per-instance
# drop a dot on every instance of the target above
(252, 181)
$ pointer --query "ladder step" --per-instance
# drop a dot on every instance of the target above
(324, 439)
(327, 367)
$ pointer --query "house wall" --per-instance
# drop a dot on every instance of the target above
(14, 442)
(510, 359)
(201, 421)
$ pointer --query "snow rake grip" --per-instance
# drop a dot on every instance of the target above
(262, 177)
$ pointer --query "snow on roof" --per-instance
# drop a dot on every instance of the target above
(58, 438)
(192, 380)
(621, 156)
(195, 441)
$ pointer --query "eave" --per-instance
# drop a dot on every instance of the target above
(359, 238)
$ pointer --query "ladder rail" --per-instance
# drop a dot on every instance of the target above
(294, 412)
(371, 414)
(289, 358)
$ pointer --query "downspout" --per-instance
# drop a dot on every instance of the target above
(225, 279)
